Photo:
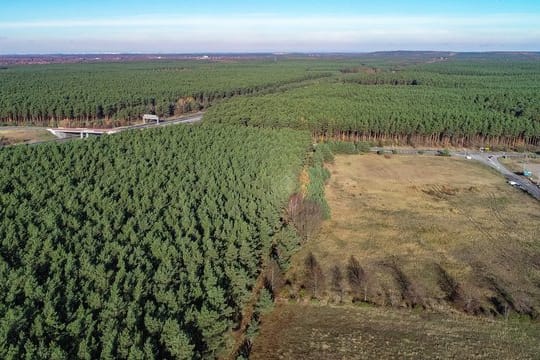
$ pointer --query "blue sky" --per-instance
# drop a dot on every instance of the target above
(51, 26)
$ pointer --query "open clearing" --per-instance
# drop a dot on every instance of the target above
(429, 231)
(350, 332)
(438, 237)
(24, 135)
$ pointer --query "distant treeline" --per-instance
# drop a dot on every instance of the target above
(461, 102)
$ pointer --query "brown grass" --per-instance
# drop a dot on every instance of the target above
(296, 331)
(26, 135)
(419, 223)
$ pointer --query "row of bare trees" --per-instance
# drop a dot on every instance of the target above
(354, 275)
(359, 284)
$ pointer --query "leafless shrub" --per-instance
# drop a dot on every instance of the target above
(523, 305)
(357, 277)
(393, 297)
(306, 216)
(471, 303)
(451, 288)
(506, 301)
(314, 275)
(337, 281)
(274, 280)
(410, 291)
(503, 299)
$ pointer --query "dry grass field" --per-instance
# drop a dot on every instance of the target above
(296, 331)
(24, 135)
(428, 231)
(451, 260)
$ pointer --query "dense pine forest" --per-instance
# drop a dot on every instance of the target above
(405, 98)
(111, 94)
(460, 102)
(144, 244)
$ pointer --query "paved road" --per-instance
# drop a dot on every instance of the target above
(186, 119)
(492, 160)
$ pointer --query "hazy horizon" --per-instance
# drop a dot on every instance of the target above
(168, 27)
(244, 53)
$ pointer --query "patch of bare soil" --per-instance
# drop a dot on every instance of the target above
(23, 135)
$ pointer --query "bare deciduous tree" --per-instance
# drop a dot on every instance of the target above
(337, 281)
(306, 216)
(357, 277)
(314, 275)
(274, 277)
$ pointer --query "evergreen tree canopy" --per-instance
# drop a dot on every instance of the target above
(143, 244)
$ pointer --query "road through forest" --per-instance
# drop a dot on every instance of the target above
(490, 159)
(185, 119)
